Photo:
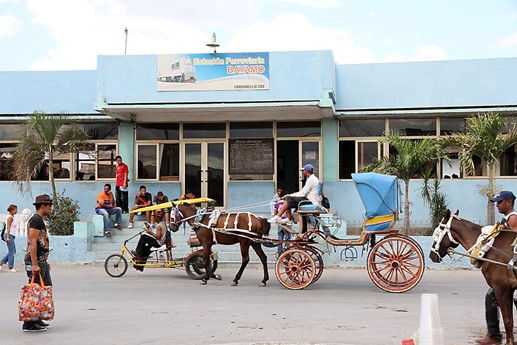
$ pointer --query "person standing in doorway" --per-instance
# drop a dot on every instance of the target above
(37, 253)
(9, 237)
(121, 194)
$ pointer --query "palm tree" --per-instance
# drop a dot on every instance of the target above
(44, 137)
(410, 157)
(483, 137)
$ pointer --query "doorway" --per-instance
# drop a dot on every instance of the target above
(291, 156)
(205, 170)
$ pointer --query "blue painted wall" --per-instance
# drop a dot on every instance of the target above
(51, 92)
(438, 84)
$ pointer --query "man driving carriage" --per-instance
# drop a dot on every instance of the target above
(505, 205)
(310, 192)
(150, 239)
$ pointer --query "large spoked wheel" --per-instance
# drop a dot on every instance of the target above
(194, 266)
(295, 269)
(396, 264)
(115, 265)
(318, 263)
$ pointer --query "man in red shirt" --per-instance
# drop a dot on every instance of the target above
(121, 194)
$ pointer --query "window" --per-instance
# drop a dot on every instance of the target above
(362, 128)
(298, 129)
(413, 127)
(162, 131)
(204, 130)
(251, 130)
(6, 156)
(101, 131)
(449, 126)
(170, 162)
(147, 157)
(97, 161)
(355, 155)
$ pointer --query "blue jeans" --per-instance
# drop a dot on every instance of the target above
(11, 250)
(106, 212)
(283, 235)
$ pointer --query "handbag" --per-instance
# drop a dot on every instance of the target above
(2, 233)
(36, 302)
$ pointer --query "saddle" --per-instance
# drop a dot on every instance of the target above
(485, 242)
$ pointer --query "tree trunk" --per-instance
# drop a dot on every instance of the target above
(406, 208)
(490, 215)
(51, 177)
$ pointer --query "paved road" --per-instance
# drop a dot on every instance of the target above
(164, 306)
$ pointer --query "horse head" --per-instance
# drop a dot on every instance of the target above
(442, 238)
(181, 213)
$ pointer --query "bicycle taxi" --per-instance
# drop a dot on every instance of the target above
(116, 265)
(395, 263)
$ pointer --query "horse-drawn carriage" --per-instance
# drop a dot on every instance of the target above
(395, 263)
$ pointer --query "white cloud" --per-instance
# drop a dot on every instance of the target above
(314, 3)
(430, 52)
(295, 32)
(508, 41)
(9, 25)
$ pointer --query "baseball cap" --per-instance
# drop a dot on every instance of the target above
(505, 194)
(42, 200)
(308, 167)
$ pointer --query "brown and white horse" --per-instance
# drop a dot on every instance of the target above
(454, 231)
(229, 228)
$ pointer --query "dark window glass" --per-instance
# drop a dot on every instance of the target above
(106, 160)
(251, 130)
(146, 161)
(508, 162)
(101, 131)
(449, 126)
(10, 131)
(298, 129)
(170, 164)
(346, 159)
(6, 156)
(158, 131)
(361, 128)
(413, 127)
(85, 163)
(204, 130)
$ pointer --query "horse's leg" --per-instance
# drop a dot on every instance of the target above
(207, 250)
(505, 300)
(263, 258)
(245, 254)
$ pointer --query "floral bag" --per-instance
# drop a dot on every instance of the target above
(36, 302)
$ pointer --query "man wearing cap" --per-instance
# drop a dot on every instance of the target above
(37, 253)
(505, 205)
(311, 192)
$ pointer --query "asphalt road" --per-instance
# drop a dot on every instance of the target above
(164, 306)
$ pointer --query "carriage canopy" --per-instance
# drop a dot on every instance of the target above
(379, 193)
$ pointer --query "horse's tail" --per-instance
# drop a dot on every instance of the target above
(266, 226)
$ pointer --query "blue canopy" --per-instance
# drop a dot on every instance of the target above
(379, 193)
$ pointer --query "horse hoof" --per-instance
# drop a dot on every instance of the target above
(262, 285)
(203, 282)
(234, 284)
(218, 277)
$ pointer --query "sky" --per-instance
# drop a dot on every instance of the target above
(70, 34)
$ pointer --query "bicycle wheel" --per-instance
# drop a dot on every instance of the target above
(115, 265)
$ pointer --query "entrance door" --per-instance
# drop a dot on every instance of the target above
(291, 156)
(204, 170)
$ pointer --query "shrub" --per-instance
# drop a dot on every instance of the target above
(65, 212)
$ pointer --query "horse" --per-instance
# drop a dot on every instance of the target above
(229, 228)
(453, 231)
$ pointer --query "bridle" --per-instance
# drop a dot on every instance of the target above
(440, 232)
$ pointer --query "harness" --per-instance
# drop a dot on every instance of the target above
(484, 242)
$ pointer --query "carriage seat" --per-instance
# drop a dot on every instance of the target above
(380, 223)
(307, 206)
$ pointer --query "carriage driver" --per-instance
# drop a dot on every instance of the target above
(309, 192)
(150, 239)
(505, 205)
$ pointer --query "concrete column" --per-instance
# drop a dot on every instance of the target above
(330, 155)
(126, 147)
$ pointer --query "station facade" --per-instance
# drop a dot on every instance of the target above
(235, 126)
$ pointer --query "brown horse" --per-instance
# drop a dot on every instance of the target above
(229, 228)
(454, 231)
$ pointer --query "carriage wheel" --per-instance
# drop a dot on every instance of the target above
(318, 263)
(115, 265)
(194, 266)
(295, 269)
(396, 264)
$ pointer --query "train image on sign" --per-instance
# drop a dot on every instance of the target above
(182, 71)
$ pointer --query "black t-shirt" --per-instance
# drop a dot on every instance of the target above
(142, 200)
(36, 222)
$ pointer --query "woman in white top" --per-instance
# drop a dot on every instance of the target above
(9, 237)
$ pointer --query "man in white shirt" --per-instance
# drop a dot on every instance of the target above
(311, 192)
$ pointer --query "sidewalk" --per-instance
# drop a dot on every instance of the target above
(164, 306)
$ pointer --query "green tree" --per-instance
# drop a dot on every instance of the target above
(409, 158)
(433, 198)
(44, 137)
(487, 136)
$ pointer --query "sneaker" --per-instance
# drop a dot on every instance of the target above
(107, 233)
(1, 268)
(117, 226)
(33, 327)
(274, 219)
(12, 270)
(42, 323)
(130, 226)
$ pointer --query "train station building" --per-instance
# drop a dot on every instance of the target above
(234, 126)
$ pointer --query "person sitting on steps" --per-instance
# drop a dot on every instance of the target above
(106, 207)
(142, 199)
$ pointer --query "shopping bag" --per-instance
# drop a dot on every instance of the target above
(36, 302)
